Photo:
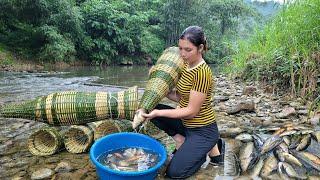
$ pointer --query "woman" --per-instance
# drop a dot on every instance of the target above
(192, 124)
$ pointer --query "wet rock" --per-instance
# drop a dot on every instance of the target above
(230, 132)
(257, 100)
(43, 173)
(286, 112)
(315, 119)
(17, 125)
(296, 105)
(303, 112)
(52, 160)
(267, 121)
(218, 99)
(249, 90)
(63, 176)
(18, 178)
(80, 174)
(248, 106)
(63, 167)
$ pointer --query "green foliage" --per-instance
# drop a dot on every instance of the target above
(286, 52)
(6, 58)
(152, 45)
(116, 28)
(111, 31)
(57, 47)
(219, 19)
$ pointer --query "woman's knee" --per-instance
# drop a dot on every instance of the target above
(176, 172)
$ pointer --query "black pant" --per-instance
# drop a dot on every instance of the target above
(192, 153)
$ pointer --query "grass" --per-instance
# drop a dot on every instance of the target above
(6, 58)
(286, 52)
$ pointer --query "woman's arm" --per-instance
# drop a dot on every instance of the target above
(196, 99)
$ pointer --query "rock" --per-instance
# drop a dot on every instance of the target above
(249, 90)
(53, 159)
(315, 119)
(295, 104)
(218, 99)
(43, 173)
(257, 100)
(267, 121)
(80, 174)
(286, 112)
(303, 112)
(17, 125)
(248, 106)
(63, 167)
(230, 132)
(17, 178)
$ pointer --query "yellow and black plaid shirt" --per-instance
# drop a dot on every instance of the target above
(199, 79)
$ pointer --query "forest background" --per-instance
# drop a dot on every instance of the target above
(280, 48)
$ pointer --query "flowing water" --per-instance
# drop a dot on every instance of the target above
(19, 86)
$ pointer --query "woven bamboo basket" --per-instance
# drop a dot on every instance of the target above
(78, 138)
(45, 141)
(162, 78)
(102, 128)
(72, 108)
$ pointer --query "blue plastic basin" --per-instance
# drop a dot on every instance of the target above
(126, 140)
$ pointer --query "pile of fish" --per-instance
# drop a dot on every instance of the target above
(129, 159)
(282, 155)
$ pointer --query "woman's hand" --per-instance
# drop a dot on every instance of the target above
(154, 113)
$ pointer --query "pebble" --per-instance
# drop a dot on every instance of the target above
(42, 174)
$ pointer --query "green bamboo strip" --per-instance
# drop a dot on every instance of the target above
(78, 138)
(103, 128)
(45, 141)
(72, 108)
(162, 79)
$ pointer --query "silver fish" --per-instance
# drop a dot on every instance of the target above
(316, 136)
(255, 171)
(304, 143)
(287, 133)
(245, 156)
(244, 137)
(281, 171)
(231, 164)
(270, 144)
(295, 141)
(291, 159)
(258, 141)
(286, 139)
(279, 153)
(270, 165)
(289, 170)
(307, 158)
(284, 147)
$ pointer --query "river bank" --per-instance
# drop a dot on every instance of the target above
(241, 107)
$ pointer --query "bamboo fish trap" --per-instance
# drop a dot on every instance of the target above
(71, 108)
(45, 141)
(78, 138)
(102, 128)
(162, 78)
